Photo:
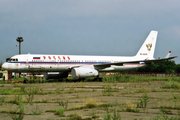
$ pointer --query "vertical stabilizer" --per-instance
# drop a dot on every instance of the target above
(147, 49)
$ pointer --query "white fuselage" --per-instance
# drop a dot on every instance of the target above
(64, 63)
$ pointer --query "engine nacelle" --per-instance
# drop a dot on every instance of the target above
(83, 73)
(55, 75)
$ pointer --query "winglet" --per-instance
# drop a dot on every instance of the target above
(167, 56)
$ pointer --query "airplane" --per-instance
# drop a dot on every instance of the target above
(81, 67)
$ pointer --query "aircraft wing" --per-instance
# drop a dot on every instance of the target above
(102, 66)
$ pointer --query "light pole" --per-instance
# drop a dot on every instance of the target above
(19, 39)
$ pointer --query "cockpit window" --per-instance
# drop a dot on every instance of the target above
(13, 60)
(7, 59)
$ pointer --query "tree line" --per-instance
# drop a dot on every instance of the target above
(167, 66)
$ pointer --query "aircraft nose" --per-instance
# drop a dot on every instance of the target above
(5, 66)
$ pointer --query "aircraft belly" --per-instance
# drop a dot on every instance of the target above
(114, 68)
(124, 68)
(43, 68)
(55, 68)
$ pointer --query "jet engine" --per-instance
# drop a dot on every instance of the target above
(55, 75)
(83, 73)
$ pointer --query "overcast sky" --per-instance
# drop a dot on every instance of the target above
(88, 27)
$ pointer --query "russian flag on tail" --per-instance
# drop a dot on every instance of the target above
(36, 58)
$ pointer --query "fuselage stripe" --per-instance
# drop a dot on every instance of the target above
(68, 63)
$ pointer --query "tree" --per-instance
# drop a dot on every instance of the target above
(0, 65)
(177, 68)
(167, 66)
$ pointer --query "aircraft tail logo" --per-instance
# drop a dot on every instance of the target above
(149, 46)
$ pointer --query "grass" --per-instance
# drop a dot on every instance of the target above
(80, 97)
(59, 112)
(126, 78)
(30, 92)
(171, 85)
(36, 111)
(114, 78)
(165, 117)
(129, 109)
(112, 116)
(163, 110)
(107, 91)
(50, 110)
(17, 79)
(143, 101)
(10, 92)
(74, 116)
(2, 100)
(89, 104)
(2, 86)
(94, 114)
(18, 99)
(30, 80)
(18, 113)
(168, 107)
(64, 103)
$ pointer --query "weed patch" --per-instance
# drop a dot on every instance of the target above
(10, 92)
(107, 91)
(36, 111)
(64, 103)
(2, 100)
(18, 99)
(143, 101)
(129, 107)
(163, 110)
(112, 116)
(165, 117)
(90, 103)
(18, 114)
(59, 112)
(74, 116)
(94, 115)
(171, 85)
(30, 93)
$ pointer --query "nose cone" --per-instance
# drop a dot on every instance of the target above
(5, 66)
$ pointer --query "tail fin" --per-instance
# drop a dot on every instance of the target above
(147, 49)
